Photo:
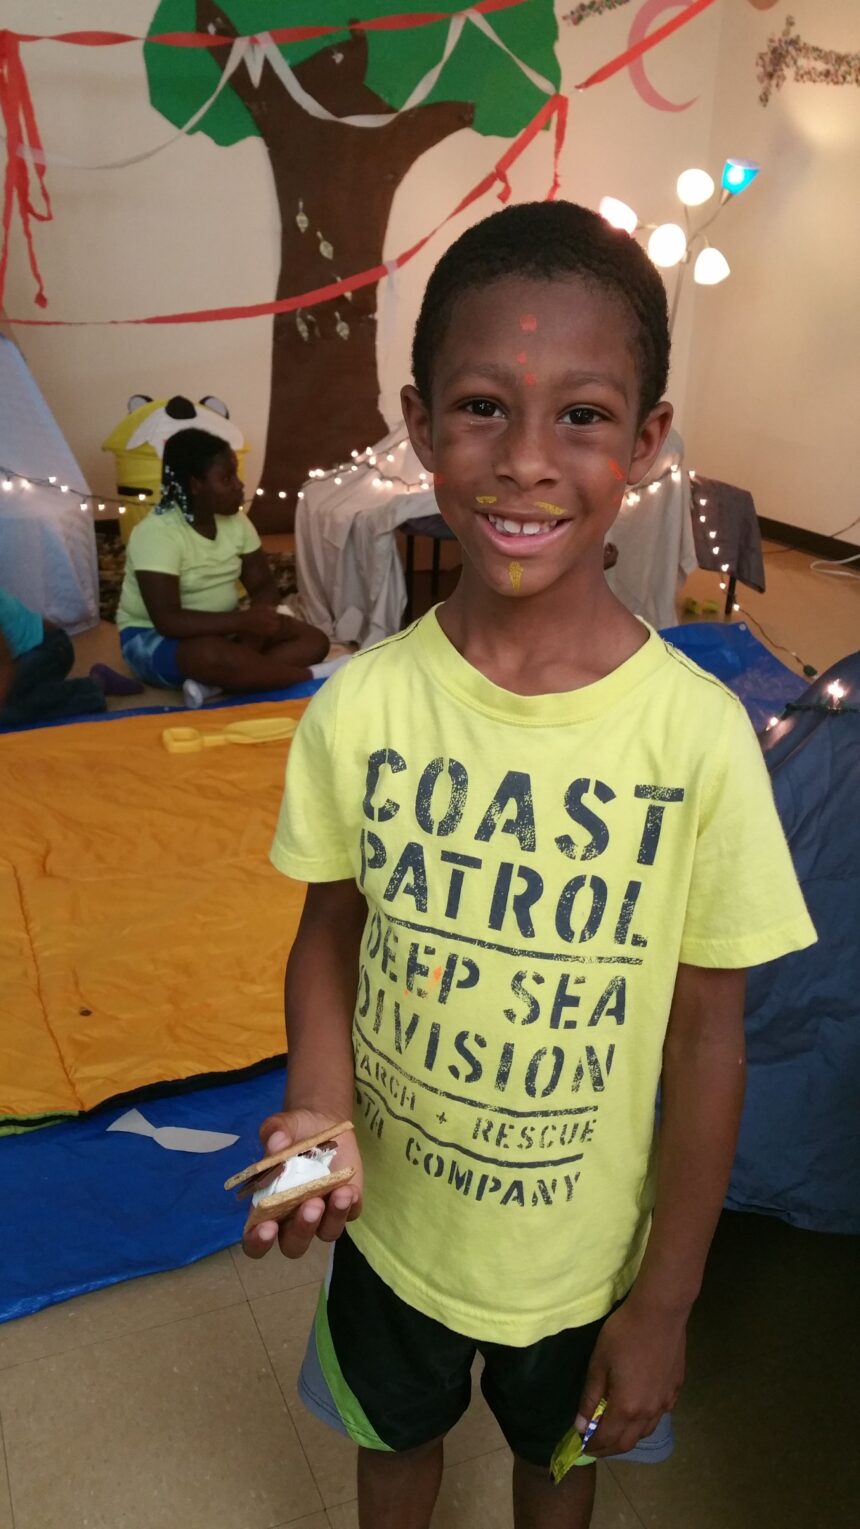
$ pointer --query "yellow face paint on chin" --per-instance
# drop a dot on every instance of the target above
(515, 574)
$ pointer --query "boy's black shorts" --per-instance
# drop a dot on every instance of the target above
(393, 1378)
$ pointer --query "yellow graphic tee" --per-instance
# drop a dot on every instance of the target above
(535, 868)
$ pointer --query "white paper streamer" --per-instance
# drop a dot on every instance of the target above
(234, 59)
(173, 1138)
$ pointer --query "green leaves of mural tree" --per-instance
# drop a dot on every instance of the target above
(334, 181)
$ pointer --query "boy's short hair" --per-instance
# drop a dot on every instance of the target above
(546, 241)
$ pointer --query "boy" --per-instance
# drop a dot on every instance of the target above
(541, 848)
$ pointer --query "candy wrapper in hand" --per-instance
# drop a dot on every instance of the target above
(571, 1450)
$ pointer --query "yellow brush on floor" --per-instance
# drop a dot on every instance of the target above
(190, 740)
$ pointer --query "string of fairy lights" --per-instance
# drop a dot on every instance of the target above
(380, 461)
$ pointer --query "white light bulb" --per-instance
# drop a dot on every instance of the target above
(703, 518)
(259, 493)
(724, 567)
(711, 267)
(716, 551)
(836, 690)
(773, 721)
(300, 495)
(282, 493)
(422, 477)
(694, 187)
(722, 583)
(390, 457)
(703, 502)
(64, 488)
(372, 461)
(83, 504)
(618, 214)
(52, 480)
(101, 506)
(402, 445)
(667, 245)
(25, 483)
(338, 481)
(7, 485)
(141, 497)
(653, 488)
(353, 468)
(735, 607)
(353, 454)
(122, 509)
(712, 534)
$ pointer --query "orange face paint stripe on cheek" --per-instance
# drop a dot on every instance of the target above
(528, 323)
(515, 574)
(438, 480)
(617, 472)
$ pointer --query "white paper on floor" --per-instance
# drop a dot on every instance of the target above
(173, 1138)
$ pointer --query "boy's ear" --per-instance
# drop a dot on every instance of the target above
(649, 441)
(417, 417)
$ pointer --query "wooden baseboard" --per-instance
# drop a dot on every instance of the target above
(806, 541)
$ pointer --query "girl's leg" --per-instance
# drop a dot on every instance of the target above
(398, 1491)
(236, 666)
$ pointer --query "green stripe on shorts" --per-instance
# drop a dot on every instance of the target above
(352, 1414)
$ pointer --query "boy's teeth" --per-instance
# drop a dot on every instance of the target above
(521, 527)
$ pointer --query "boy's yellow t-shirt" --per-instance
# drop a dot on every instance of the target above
(208, 571)
(535, 868)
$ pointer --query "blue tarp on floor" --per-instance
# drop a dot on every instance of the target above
(83, 1206)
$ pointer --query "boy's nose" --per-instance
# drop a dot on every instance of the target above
(527, 455)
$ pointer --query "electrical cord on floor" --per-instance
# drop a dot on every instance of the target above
(808, 669)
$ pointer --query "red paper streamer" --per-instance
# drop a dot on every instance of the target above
(630, 55)
(21, 131)
(278, 34)
(19, 121)
(555, 106)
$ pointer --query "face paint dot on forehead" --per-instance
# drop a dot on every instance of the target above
(515, 574)
(528, 323)
(617, 472)
(530, 379)
(522, 357)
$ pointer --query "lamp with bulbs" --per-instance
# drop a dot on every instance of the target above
(669, 244)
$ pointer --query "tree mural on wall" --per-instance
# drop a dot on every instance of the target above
(335, 182)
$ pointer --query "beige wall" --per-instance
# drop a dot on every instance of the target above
(775, 386)
(195, 226)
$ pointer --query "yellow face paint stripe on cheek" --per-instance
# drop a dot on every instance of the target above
(548, 506)
(515, 574)
(486, 499)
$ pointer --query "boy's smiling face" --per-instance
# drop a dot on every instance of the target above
(533, 429)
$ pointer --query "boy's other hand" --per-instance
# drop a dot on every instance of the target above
(323, 1218)
(638, 1365)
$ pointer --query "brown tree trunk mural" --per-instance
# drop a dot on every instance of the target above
(325, 388)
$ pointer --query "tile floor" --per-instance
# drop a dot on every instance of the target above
(169, 1402)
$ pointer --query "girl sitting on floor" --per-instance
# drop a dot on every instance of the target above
(179, 620)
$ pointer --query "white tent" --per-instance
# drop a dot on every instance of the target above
(47, 545)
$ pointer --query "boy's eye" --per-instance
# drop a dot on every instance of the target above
(582, 414)
(483, 408)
